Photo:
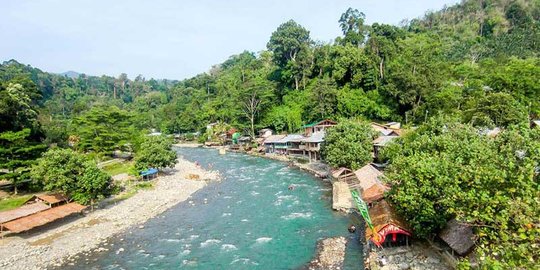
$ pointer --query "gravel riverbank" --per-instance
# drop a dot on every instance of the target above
(43, 249)
(330, 254)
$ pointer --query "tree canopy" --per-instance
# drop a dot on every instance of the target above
(349, 144)
(447, 170)
(155, 152)
(71, 173)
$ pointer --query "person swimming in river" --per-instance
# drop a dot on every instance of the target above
(291, 187)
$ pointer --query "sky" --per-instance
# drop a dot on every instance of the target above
(172, 39)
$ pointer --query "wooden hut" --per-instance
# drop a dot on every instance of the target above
(368, 176)
(37, 211)
(458, 236)
(389, 228)
(50, 200)
(385, 130)
(341, 173)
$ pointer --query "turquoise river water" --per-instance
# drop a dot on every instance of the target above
(250, 221)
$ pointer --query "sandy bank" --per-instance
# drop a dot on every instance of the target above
(40, 250)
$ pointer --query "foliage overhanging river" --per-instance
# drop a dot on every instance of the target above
(250, 221)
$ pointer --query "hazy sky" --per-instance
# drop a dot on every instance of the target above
(166, 38)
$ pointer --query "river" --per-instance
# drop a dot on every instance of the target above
(249, 220)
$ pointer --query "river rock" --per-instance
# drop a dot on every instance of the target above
(341, 197)
(330, 254)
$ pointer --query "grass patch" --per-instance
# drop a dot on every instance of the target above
(118, 168)
(134, 189)
(12, 203)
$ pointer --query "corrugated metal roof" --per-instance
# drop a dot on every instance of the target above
(384, 140)
(274, 138)
(291, 138)
(315, 137)
(42, 218)
(23, 211)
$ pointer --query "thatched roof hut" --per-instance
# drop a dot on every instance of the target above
(368, 176)
(386, 222)
(458, 236)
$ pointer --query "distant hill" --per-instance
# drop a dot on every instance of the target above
(71, 74)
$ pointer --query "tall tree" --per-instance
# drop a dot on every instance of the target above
(287, 43)
(352, 26)
(103, 129)
(17, 153)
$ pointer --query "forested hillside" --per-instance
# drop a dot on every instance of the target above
(478, 59)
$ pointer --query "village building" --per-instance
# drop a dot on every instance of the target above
(388, 228)
(369, 183)
(270, 143)
(244, 141)
(367, 176)
(312, 145)
(342, 174)
(282, 146)
(50, 200)
(459, 237)
(318, 126)
(535, 123)
(388, 129)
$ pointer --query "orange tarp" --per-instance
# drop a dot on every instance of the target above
(42, 218)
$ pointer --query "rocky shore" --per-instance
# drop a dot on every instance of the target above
(60, 245)
(330, 254)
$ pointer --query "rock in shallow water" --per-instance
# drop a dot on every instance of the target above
(330, 254)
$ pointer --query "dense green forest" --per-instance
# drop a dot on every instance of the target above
(476, 63)
(478, 59)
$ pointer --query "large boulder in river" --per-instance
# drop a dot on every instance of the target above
(342, 199)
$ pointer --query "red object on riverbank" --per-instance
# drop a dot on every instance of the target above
(386, 222)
